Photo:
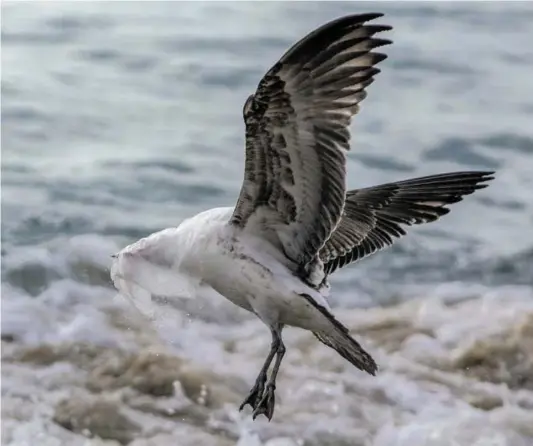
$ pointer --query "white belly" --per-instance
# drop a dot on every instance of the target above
(234, 270)
(243, 268)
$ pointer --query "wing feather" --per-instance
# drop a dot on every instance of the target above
(373, 217)
(297, 134)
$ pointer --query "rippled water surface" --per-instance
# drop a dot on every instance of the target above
(122, 118)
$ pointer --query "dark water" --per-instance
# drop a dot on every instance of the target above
(120, 119)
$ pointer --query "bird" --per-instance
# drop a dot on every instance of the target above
(295, 223)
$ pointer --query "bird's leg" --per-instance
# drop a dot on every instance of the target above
(266, 404)
(256, 393)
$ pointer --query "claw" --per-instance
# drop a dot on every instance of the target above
(267, 403)
(255, 395)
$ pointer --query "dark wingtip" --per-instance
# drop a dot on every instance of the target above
(363, 18)
(484, 177)
(371, 368)
(485, 173)
(489, 176)
(321, 37)
(369, 16)
(381, 42)
(379, 57)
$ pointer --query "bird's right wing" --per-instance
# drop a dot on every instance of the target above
(297, 136)
(373, 217)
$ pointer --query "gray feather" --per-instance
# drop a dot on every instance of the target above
(297, 134)
(374, 217)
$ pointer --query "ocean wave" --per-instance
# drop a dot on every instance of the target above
(454, 367)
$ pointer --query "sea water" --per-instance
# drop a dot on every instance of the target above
(123, 118)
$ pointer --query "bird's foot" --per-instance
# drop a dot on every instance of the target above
(255, 395)
(267, 403)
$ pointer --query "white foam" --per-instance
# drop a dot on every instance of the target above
(457, 428)
(411, 402)
(67, 311)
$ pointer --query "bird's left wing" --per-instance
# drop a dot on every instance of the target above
(297, 134)
(375, 217)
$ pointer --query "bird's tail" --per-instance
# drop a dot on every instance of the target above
(336, 336)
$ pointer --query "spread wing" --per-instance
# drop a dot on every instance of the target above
(373, 217)
(297, 135)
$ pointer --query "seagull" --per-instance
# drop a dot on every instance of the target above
(295, 223)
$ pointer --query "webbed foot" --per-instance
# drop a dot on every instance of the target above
(266, 405)
(255, 395)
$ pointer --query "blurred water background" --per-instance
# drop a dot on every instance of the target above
(122, 118)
